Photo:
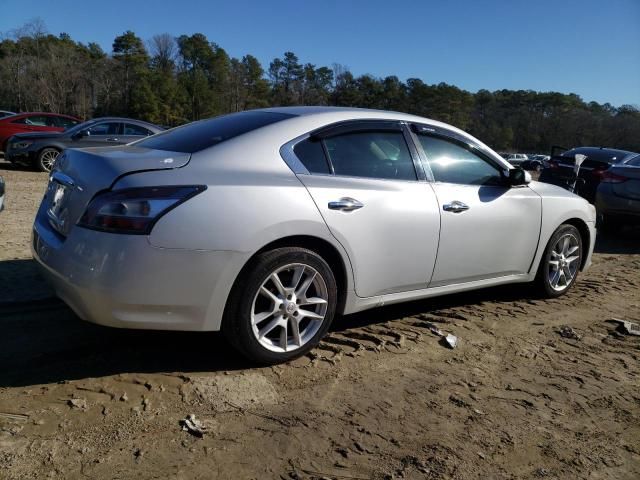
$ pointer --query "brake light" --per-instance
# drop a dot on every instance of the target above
(610, 177)
(134, 210)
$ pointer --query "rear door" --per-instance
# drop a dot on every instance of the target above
(363, 179)
(488, 229)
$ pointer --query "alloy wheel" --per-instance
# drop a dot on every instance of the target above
(289, 307)
(48, 159)
(563, 262)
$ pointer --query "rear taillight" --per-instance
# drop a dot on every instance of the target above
(553, 164)
(134, 210)
(610, 177)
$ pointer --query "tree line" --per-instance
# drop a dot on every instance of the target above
(172, 80)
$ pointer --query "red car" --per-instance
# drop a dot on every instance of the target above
(33, 122)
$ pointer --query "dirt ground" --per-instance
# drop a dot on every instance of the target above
(380, 398)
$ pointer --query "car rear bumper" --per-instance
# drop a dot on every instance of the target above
(610, 204)
(123, 281)
(21, 157)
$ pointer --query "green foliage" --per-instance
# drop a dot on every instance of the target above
(171, 81)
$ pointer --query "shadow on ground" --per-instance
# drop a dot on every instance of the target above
(43, 341)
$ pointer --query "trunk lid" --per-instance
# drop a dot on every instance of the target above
(629, 188)
(79, 174)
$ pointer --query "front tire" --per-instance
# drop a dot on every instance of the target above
(560, 264)
(47, 159)
(282, 304)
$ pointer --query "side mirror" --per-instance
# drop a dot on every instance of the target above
(81, 134)
(517, 176)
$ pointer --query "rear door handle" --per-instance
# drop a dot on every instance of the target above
(112, 139)
(346, 204)
(455, 207)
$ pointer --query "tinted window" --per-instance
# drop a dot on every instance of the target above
(197, 136)
(634, 161)
(452, 163)
(311, 154)
(371, 154)
(36, 120)
(107, 128)
(64, 122)
(133, 129)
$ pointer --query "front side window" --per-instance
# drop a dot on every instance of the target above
(381, 154)
(65, 122)
(452, 163)
(107, 128)
(133, 129)
(634, 161)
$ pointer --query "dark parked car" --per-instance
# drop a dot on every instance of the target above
(535, 162)
(599, 159)
(42, 149)
(618, 195)
(33, 122)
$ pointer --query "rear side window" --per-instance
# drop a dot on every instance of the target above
(311, 154)
(197, 136)
(65, 122)
(35, 120)
(634, 161)
(133, 129)
(383, 155)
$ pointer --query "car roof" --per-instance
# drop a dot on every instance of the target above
(601, 153)
(46, 114)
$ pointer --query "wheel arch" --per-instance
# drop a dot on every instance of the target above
(339, 265)
(584, 233)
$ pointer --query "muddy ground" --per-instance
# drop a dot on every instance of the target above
(380, 398)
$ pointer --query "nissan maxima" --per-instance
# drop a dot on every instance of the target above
(265, 224)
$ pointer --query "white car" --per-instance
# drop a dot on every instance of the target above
(265, 224)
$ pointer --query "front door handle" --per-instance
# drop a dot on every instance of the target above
(112, 139)
(455, 207)
(346, 204)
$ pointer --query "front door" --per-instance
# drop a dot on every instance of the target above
(488, 229)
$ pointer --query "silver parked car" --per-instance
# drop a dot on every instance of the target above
(265, 224)
(618, 195)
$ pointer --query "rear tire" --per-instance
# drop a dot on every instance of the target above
(281, 305)
(47, 159)
(560, 263)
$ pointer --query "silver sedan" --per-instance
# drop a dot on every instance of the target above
(266, 224)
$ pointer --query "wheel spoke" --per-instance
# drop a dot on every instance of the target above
(297, 276)
(284, 337)
(270, 326)
(308, 314)
(567, 275)
(573, 250)
(302, 291)
(261, 317)
(312, 301)
(295, 332)
(269, 295)
(565, 245)
(571, 259)
(278, 284)
(554, 264)
(555, 279)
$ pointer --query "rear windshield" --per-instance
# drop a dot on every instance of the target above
(203, 134)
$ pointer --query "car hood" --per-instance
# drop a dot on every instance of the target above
(36, 135)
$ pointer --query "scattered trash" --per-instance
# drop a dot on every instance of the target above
(146, 404)
(193, 426)
(449, 340)
(80, 403)
(567, 332)
(629, 328)
(124, 397)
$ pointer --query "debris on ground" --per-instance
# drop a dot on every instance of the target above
(627, 327)
(80, 403)
(448, 339)
(193, 426)
(567, 332)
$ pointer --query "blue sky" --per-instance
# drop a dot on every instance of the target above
(588, 47)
